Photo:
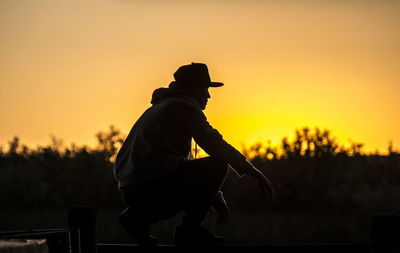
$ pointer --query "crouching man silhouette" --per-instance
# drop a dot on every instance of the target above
(154, 171)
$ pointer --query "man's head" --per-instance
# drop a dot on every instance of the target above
(196, 77)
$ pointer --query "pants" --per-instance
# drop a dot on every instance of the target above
(191, 190)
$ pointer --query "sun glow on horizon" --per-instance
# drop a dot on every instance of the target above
(72, 68)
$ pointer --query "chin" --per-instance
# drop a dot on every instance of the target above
(203, 105)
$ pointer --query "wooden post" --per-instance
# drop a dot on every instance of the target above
(385, 233)
(83, 219)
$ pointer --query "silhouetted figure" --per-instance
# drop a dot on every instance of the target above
(154, 171)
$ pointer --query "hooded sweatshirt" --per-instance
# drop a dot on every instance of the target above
(161, 138)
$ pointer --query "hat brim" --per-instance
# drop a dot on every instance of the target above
(215, 84)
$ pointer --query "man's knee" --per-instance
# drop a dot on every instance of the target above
(218, 167)
(209, 169)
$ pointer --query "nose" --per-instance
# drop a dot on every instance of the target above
(208, 95)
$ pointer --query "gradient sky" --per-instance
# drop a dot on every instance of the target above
(72, 68)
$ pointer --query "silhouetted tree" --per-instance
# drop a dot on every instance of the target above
(109, 142)
(13, 145)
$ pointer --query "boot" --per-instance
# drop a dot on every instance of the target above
(137, 228)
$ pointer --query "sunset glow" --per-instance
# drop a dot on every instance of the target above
(72, 68)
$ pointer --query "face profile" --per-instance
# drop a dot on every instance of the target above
(202, 94)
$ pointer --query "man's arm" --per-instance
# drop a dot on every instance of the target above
(212, 142)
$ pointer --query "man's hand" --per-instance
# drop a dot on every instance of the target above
(263, 182)
(221, 208)
(265, 186)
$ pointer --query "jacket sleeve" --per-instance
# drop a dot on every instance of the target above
(212, 142)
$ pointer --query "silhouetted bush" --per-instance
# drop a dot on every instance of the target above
(54, 177)
(312, 173)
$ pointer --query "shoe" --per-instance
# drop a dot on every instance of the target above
(137, 229)
(198, 235)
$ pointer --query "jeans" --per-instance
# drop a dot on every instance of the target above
(192, 190)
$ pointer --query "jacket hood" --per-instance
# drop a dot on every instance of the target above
(162, 93)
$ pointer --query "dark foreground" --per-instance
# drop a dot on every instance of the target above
(80, 237)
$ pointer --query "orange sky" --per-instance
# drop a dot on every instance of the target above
(72, 68)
